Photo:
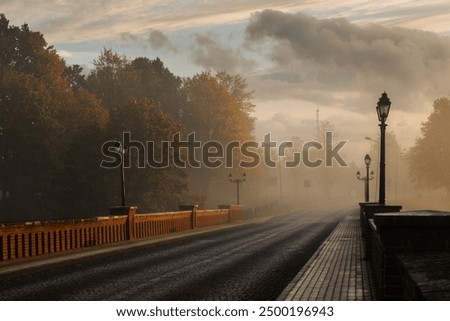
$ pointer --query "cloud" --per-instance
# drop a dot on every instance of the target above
(102, 20)
(210, 53)
(426, 15)
(67, 21)
(337, 55)
(65, 54)
(158, 40)
(155, 39)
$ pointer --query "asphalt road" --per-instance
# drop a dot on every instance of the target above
(250, 262)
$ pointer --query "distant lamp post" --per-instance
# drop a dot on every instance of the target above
(122, 151)
(367, 178)
(383, 107)
(378, 161)
(237, 180)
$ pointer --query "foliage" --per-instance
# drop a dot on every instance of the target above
(429, 156)
(140, 96)
(116, 78)
(40, 115)
(218, 107)
(54, 120)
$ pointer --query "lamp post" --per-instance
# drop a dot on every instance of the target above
(122, 151)
(237, 180)
(367, 178)
(383, 107)
(378, 161)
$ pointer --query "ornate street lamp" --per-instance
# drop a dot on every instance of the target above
(383, 107)
(237, 180)
(378, 161)
(367, 178)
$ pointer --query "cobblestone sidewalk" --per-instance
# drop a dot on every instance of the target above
(336, 272)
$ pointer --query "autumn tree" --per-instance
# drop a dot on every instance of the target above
(116, 78)
(151, 188)
(75, 77)
(431, 152)
(40, 116)
(156, 82)
(54, 120)
(219, 109)
(142, 98)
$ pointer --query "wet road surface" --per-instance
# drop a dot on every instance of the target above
(250, 262)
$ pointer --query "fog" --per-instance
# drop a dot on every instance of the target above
(297, 63)
(306, 73)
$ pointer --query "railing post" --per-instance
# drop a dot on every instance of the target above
(130, 211)
(130, 222)
(193, 208)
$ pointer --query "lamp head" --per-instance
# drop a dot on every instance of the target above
(383, 107)
(367, 160)
(358, 175)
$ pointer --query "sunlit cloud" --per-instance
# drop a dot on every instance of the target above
(65, 54)
(73, 21)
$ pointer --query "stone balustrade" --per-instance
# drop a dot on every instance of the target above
(409, 252)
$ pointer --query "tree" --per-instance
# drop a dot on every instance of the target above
(109, 80)
(429, 156)
(152, 189)
(218, 109)
(116, 78)
(40, 116)
(75, 77)
(54, 121)
(154, 81)
(140, 96)
(27, 52)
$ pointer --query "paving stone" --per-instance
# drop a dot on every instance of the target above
(336, 271)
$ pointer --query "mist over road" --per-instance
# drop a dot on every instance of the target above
(250, 262)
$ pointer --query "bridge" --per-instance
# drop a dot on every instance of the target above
(320, 252)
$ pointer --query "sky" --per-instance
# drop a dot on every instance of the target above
(297, 56)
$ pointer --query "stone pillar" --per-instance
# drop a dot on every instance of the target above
(193, 208)
(368, 210)
(130, 211)
(130, 222)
